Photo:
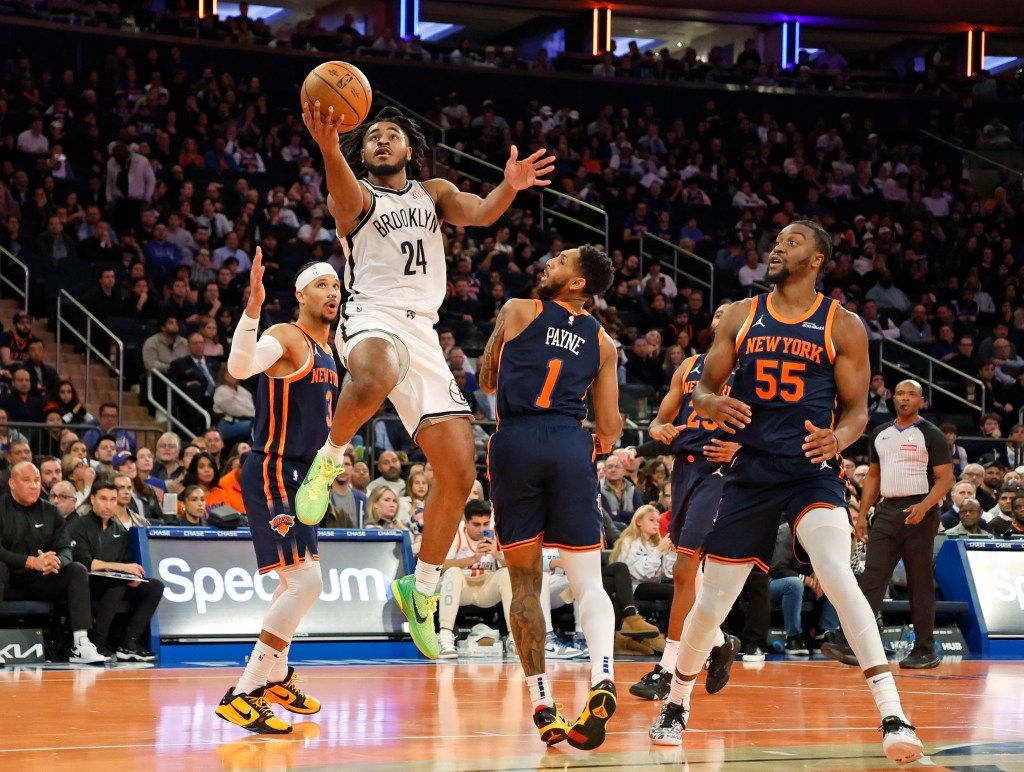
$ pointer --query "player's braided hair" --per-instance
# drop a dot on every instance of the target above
(596, 268)
(352, 143)
(822, 241)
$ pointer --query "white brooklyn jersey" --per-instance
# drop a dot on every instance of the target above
(394, 256)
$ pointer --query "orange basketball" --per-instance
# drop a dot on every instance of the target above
(342, 86)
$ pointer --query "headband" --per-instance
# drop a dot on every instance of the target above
(313, 272)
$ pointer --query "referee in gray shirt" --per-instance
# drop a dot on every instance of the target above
(912, 469)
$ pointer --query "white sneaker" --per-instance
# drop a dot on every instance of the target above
(86, 653)
(3, 662)
(899, 741)
(669, 726)
(510, 647)
(446, 645)
(555, 648)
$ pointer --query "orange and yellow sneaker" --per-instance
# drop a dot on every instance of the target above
(551, 723)
(252, 712)
(588, 731)
(287, 694)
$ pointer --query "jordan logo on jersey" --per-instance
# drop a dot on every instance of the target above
(282, 524)
(759, 322)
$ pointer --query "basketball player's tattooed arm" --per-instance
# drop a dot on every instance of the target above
(853, 376)
(525, 615)
(346, 198)
(729, 413)
(607, 420)
(459, 208)
(512, 320)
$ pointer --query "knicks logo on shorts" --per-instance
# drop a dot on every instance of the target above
(282, 524)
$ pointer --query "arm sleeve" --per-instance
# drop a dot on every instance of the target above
(938, 449)
(652, 449)
(249, 357)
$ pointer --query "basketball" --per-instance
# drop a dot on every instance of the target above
(342, 86)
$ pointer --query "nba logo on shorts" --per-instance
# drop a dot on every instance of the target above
(282, 524)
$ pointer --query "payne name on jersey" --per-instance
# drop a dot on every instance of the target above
(412, 217)
(563, 339)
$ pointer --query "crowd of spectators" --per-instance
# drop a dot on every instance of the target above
(150, 183)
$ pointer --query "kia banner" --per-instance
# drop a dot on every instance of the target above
(213, 591)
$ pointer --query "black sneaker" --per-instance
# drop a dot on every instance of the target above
(551, 723)
(589, 730)
(920, 659)
(840, 651)
(795, 647)
(753, 653)
(653, 686)
(103, 649)
(720, 664)
(133, 651)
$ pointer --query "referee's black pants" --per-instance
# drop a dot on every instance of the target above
(71, 583)
(891, 539)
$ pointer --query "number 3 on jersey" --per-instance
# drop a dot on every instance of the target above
(554, 370)
(414, 253)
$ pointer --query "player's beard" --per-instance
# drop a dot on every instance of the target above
(386, 170)
(780, 276)
(551, 287)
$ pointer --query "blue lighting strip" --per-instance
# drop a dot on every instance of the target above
(416, 17)
(785, 44)
(796, 43)
(401, 18)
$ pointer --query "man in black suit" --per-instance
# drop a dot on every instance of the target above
(197, 376)
(43, 376)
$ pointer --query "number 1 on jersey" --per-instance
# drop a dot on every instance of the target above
(554, 370)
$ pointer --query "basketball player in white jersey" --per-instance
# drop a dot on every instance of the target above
(395, 273)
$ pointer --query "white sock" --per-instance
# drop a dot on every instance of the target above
(80, 637)
(596, 614)
(334, 452)
(540, 691)
(428, 576)
(679, 693)
(883, 689)
(257, 670)
(280, 668)
(668, 657)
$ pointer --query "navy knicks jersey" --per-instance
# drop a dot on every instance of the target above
(293, 414)
(786, 374)
(694, 432)
(550, 365)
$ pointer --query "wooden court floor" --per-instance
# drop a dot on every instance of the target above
(813, 715)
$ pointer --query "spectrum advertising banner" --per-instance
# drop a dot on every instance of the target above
(213, 591)
(999, 578)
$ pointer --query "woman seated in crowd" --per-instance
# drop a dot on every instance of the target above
(64, 398)
(192, 507)
(76, 470)
(202, 471)
(648, 555)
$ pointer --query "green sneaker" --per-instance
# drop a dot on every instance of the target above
(314, 494)
(419, 610)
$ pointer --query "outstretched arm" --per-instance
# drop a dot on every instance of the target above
(346, 198)
(607, 421)
(458, 208)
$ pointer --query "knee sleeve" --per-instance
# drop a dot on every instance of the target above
(825, 534)
(302, 586)
(722, 584)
